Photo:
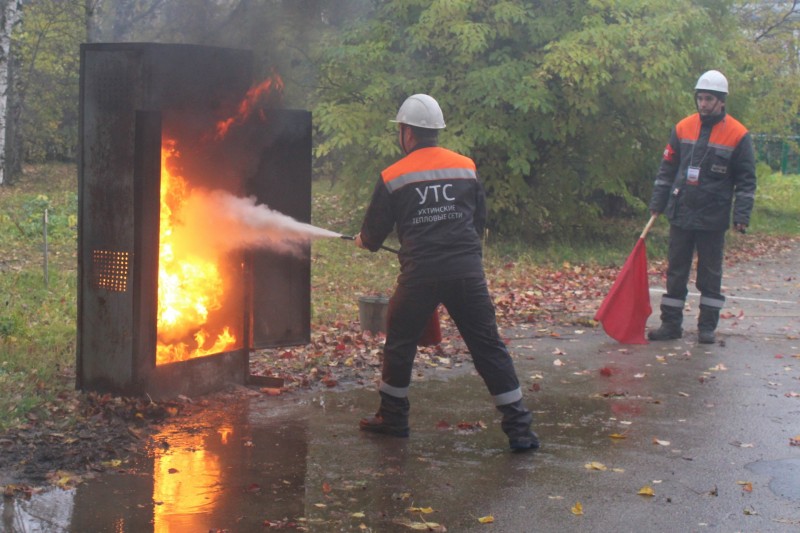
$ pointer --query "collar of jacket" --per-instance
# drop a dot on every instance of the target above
(712, 120)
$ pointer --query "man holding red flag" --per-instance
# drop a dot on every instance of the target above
(708, 167)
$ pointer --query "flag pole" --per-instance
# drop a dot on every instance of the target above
(648, 226)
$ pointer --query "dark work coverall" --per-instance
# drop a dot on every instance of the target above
(433, 198)
(698, 207)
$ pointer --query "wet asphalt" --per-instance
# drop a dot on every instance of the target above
(670, 436)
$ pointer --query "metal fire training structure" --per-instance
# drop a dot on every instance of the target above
(132, 97)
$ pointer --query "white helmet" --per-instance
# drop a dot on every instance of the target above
(714, 81)
(421, 110)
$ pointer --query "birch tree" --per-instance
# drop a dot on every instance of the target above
(11, 12)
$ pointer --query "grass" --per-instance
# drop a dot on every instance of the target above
(777, 210)
(37, 320)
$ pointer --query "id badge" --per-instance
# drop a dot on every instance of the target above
(693, 175)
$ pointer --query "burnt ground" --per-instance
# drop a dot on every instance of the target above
(82, 434)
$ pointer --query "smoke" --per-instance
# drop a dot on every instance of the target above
(218, 222)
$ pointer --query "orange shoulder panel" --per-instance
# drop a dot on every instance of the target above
(727, 133)
(432, 158)
(689, 128)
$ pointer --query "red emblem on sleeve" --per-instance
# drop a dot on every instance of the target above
(669, 153)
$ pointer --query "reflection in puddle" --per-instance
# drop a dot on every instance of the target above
(50, 511)
(184, 482)
(220, 471)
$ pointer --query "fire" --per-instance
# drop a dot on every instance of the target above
(189, 287)
(267, 88)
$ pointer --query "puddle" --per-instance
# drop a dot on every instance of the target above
(784, 476)
(279, 460)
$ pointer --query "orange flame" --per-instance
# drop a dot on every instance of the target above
(248, 104)
(188, 287)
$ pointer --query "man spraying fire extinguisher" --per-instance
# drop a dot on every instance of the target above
(433, 198)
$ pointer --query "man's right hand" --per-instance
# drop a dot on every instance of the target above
(359, 242)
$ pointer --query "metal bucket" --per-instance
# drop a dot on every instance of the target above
(373, 315)
(372, 312)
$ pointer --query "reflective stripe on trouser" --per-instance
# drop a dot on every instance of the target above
(682, 246)
(470, 306)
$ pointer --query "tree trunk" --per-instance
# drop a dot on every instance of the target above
(10, 16)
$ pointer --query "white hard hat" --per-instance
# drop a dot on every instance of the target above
(713, 80)
(421, 110)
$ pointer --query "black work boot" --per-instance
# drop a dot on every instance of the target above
(671, 320)
(706, 324)
(516, 424)
(391, 418)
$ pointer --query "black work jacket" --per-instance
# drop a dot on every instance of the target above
(433, 199)
(722, 151)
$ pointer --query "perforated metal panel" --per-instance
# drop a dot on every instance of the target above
(111, 270)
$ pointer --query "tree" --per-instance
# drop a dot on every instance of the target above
(47, 83)
(564, 105)
(9, 18)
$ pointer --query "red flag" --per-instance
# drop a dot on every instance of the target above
(625, 309)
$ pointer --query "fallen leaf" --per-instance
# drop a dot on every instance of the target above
(486, 519)
(747, 486)
(794, 441)
(646, 491)
(594, 465)
(358, 515)
(423, 510)
(720, 367)
(558, 362)
(660, 442)
(577, 509)
(618, 436)
(421, 526)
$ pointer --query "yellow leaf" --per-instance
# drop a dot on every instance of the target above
(486, 519)
(577, 509)
(114, 463)
(618, 436)
(594, 465)
(424, 510)
(747, 486)
(358, 515)
(646, 491)
(320, 505)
